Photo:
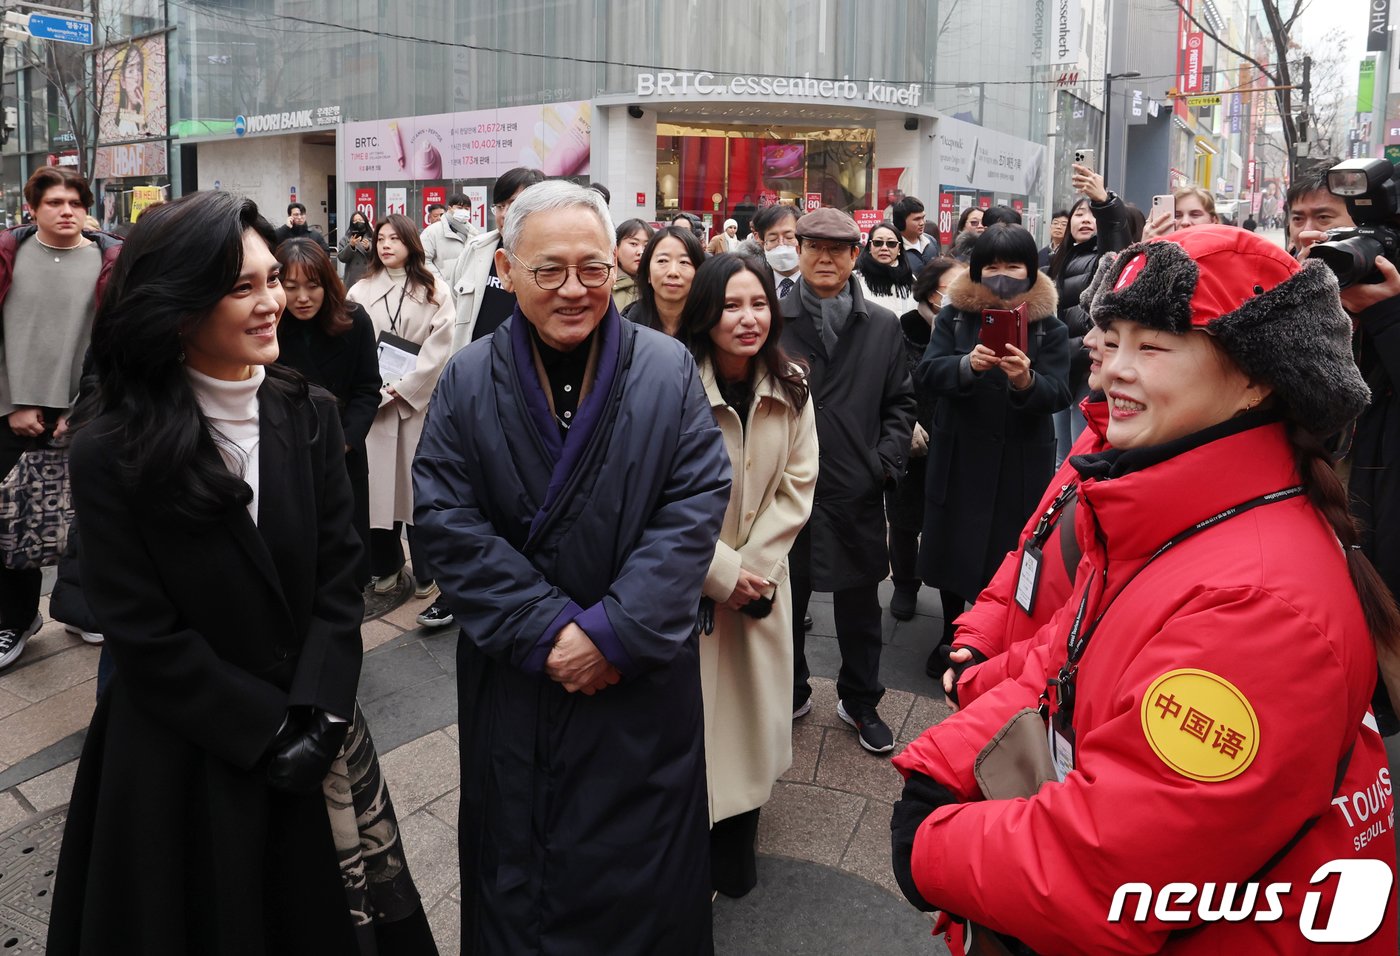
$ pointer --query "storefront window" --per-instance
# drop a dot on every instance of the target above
(719, 173)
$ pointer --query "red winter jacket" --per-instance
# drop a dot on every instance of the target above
(1214, 707)
(995, 625)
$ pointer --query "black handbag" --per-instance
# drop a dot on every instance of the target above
(36, 510)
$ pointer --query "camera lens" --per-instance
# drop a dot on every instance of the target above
(1352, 259)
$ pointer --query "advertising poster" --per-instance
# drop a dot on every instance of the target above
(143, 197)
(813, 201)
(866, 219)
(131, 159)
(480, 144)
(365, 204)
(947, 215)
(132, 99)
(396, 202)
(982, 159)
(477, 194)
(432, 195)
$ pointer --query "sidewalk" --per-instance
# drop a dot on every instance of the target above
(824, 879)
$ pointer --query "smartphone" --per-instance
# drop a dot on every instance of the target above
(1084, 157)
(1003, 327)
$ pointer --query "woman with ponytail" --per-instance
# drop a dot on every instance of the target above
(1201, 702)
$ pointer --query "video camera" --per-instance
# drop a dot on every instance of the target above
(1372, 196)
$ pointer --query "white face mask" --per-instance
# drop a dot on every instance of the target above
(461, 215)
(782, 258)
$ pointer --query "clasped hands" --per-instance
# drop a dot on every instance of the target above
(1017, 365)
(576, 662)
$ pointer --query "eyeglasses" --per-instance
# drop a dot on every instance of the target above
(552, 277)
(884, 243)
(823, 248)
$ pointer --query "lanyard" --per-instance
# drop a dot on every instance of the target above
(1051, 517)
(394, 319)
(1079, 636)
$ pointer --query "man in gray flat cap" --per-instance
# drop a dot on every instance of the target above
(865, 412)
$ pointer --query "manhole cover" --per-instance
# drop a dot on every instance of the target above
(28, 858)
(378, 604)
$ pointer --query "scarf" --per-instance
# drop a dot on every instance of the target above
(828, 315)
(886, 280)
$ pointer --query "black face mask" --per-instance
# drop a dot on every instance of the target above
(1006, 287)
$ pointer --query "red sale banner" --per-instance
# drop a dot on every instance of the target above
(866, 219)
(947, 215)
(433, 195)
(813, 201)
(1193, 73)
(365, 203)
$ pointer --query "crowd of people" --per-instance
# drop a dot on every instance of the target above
(622, 462)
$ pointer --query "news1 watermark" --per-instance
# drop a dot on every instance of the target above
(1358, 906)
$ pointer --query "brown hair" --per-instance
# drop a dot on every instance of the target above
(1201, 194)
(418, 273)
(47, 177)
(305, 257)
(1326, 493)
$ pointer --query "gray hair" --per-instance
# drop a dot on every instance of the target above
(553, 194)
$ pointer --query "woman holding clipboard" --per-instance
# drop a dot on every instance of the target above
(997, 361)
(412, 314)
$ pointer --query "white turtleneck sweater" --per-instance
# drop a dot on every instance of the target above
(232, 410)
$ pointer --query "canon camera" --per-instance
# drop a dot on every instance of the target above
(1372, 196)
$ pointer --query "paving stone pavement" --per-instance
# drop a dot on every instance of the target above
(823, 838)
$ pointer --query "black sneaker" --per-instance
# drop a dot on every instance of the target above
(875, 736)
(436, 615)
(12, 642)
(903, 604)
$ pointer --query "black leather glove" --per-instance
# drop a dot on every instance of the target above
(922, 795)
(300, 764)
(758, 608)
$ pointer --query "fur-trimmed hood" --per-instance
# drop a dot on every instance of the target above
(968, 296)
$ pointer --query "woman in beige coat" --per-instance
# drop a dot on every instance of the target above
(412, 313)
(760, 401)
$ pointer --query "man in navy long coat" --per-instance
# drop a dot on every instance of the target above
(570, 485)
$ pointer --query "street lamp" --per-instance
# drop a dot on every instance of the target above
(1108, 79)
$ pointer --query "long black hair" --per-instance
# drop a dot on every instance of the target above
(178, 262)
(705, 306)
(643, 311)
(416, 263)
(1067, 244)
(881, 279)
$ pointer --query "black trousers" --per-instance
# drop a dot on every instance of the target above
(19, 590)
(733, 861)
(857, 612)
(904, 510)
(386, 553)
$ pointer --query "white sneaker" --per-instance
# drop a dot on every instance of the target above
(91, 637)
(12, 642)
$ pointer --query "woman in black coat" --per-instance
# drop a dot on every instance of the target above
(214, 809)
(331, 342)
(992, 446)
(356, 249)
(1098, 223)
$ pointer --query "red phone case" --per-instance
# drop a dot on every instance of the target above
(1003, 327)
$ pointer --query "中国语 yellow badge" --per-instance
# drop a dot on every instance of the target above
(1200, 724)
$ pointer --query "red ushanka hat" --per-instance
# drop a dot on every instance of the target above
(1281, 323)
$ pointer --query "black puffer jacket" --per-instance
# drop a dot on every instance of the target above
(1076, 273)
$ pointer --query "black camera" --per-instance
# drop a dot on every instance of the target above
(1372, 196)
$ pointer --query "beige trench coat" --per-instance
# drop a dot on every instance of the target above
(746, 664)
(393, 438)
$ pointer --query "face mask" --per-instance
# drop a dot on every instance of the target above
(782, 258)
(1006, 287)
(461, 215)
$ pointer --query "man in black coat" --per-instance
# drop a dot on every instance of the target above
(569, 487)
(865, 407)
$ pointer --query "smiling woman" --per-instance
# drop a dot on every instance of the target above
(218, 556)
